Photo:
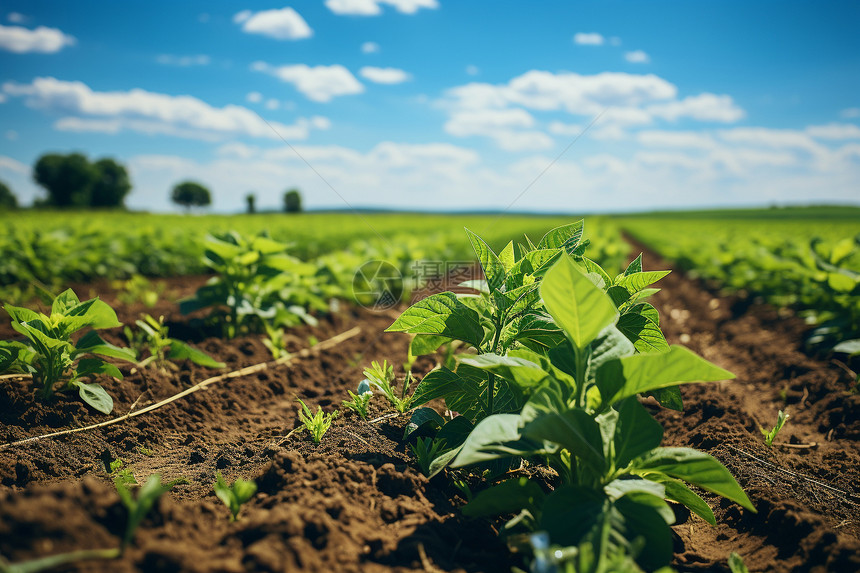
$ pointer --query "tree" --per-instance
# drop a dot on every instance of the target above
(251, 199)
(293, 201)
(190, 194)
(111, 184)
(68, 179)
(7, 198)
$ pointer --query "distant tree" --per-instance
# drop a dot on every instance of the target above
(111, 184)
(293, 201)
(7, 198)
(190, 194)
(251, 199)
(68, 179)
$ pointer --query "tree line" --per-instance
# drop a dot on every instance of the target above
(73, 181)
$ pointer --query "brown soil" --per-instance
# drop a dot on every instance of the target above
(356, 502)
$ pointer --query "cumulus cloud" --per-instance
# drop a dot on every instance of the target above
(254, 97)
(588, 39)
(703, 107)
(384, 75)
(147, 112)
(834, 131)
(42, 40)
(283, 24)
(683, 139)
(13, 165)
(637, 57)
(183, 61)
(317, 83)
(561, 128)
(370, 48)
(510, 129)
(374, 7)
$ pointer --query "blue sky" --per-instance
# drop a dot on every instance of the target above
(442, 104)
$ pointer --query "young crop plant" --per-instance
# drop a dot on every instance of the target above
(359, 402)
(258, 284)
(234, 495)
(426, 450)
(152, 338)
(770, 436)
(381, 377)
(316, 424)
(562, 352)
(52, 357)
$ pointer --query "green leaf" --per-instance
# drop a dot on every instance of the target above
(618, 294)
(426, 344)
(101, 315)
(460, 394)
(581, 309)
(8, 356)
(508, 256)
(618, 488)
(840, 282)
(538, 327)
(441, 314)
(634, 267)
(138, 508)
(643, 519)
(570, 512)
(565, 237)
(669, 398)
(574, 430)
(695, 467)
(423, 419)
(64, 301)
(511, 496)
(90, 366)
(642, 331)
(494, 271)
(524, 373)
(95, 396)
(517, 300)
(851, 347)
(636, 432)
(736, 564)
(631, 375)
(92, 343)
(494, 437)
(181, 351)
(679, 492)
(634, 282)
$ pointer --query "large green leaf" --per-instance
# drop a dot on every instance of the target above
(496, 436)
(95, 396)
(634, 282)
(524, 373)
(679, 492)
(581, 309)
(460, 394)
(643, 519)
(641, 330)
(441, 314)
(423, 419)
(181, 351)
(636, 432)
(64, 301)
(455, 431)
(695, 467)
(97, 314)
(511, 496)
(574, 430)
(631, 375)
(426, 344)
(571, 511)
(92, 343)
(494, 270)
(565, 237)
(8, 356)
(538, 327)
(90, 366)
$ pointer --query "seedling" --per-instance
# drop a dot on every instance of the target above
(316, 424)
(736, 564)
(121, 474)
(234, 495)
(426, 450)
(275, 341)
(381, 377)
(359, 402)
(51, 356)
(770, 436)
(152, 338)
(138, 506)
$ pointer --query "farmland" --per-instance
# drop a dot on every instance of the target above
(565, 380)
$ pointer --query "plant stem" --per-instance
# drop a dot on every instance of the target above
(491, 387)
(581, 356)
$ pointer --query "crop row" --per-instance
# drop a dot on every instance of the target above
(810, 266)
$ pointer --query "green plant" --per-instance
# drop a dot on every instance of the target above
(736, 564)
(426, 450)
(152, 338)
(275, 341)
(139, 289)
(257, 284)
(770, 436)
(234, 495)
(358, 403)
(52, 357)
(316, 424)
(381, 377)
(139, 505)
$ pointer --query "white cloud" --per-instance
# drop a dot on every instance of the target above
(373, 7)
(510, 129)
(273, 104)
(41, 40)
(147, 112)
(637, 57)
(850, 113)
(834, 131)
(384, 75)
(16, 17)
(183, 61)
(283, 24)
(13, 165)
(703, 107)
(774, 138)
(2, 98)
(561, 128)
(370, 48)
(472, 70)
(588, 39)
(318, 83)
(683, 139)
(254, 97)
